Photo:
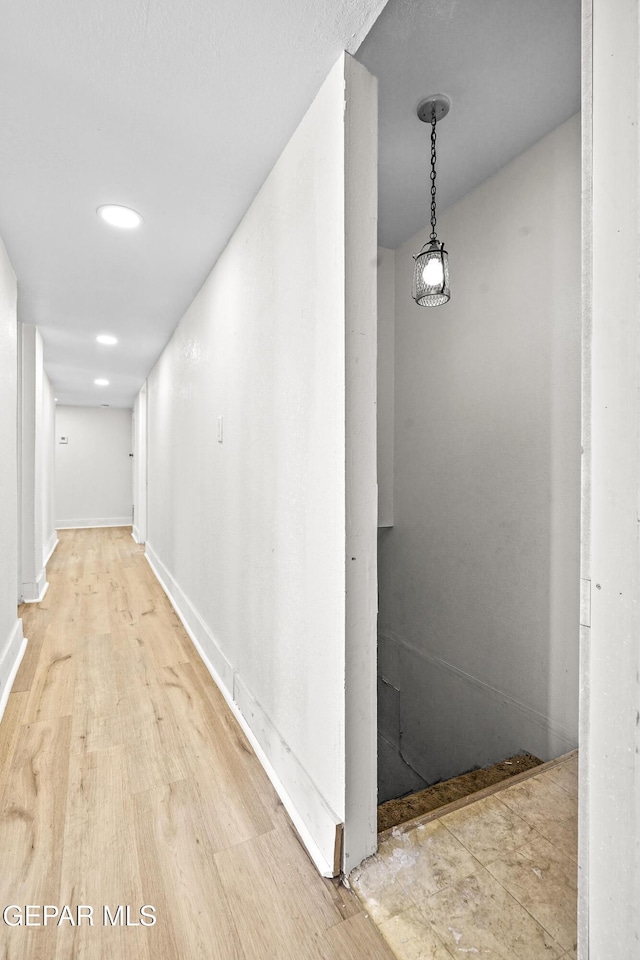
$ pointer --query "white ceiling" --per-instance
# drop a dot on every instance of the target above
(179, 108)
(511, 69)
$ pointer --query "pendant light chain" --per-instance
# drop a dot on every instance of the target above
(430, 286)
(433, 176)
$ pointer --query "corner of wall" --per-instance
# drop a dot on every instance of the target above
(49, 547)
(361, 208)
(11, 654)
(33, 591)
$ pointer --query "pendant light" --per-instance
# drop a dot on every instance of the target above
(431, 271)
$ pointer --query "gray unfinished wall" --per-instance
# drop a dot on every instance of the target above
(479, 576)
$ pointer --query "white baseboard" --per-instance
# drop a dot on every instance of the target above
(33, 591)
(316, 824)
(321, 825)
(50, 546)
(135, 533)
(11, 656)
(91, 522)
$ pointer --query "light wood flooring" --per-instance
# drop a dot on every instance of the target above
(494, 878)
(125, 780)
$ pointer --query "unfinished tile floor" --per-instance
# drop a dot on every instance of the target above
(495, 879)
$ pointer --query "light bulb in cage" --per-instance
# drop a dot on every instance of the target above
(431, 270)
(431, 275)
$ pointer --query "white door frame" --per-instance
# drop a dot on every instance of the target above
(609, 790)
(140, 466)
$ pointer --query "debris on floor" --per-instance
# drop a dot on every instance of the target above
(406, 808)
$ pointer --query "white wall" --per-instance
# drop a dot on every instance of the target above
(33, 575)
(36, 455)
(93, 469)
(361, 488)
(386, 374)
(48, 466)
(11, 640)
(250, 534)
(479, 577)
(610, 704)
(140, 466)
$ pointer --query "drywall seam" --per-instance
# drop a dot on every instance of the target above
(50, 546)
(493, 692)
(88, 522)
(10, 660)
(227, 680)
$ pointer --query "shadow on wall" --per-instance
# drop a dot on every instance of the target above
(479, 576)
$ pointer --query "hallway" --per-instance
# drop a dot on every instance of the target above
(125, 780)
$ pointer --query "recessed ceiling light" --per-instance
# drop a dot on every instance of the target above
(119, 216)
(101, 383)
(55, 399)
(107, 339)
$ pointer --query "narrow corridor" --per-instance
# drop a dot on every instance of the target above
(125, 780)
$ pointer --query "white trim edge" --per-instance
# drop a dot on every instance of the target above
(33, 591)
(52, 543)
(40, 597)
(226, 680)
(92, 522)
(10, 661)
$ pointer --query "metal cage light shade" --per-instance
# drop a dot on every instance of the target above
(431, 269)
(431, 275)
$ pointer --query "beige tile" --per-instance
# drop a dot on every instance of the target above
(545, 881)
(476, 917)
(488, 829)
(565, 775)
(570, 955)
(412, 938)
(563, 835)
(426, 859)
(381, 893)
(540, 801)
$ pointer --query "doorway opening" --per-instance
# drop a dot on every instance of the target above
(479, 400)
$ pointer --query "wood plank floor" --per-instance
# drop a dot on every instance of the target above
(125, 780)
